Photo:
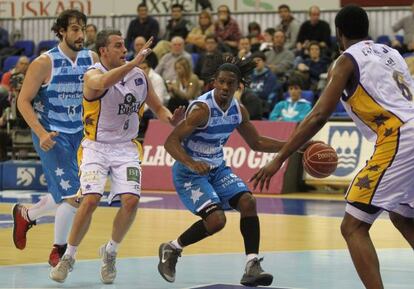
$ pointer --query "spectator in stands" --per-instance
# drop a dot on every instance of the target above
(21, 67)
(407, 25)
(255, 35)
(177, 25)
(267, 44)
(157, 82)
(185, 87)
(226, 30)
(251, 102)
(91, 32)
(313, 66)
(279, 59)
(206, 58)
(314, 29)
(144, 25)
(289, 25)
(244, 48)
(293, 109)
(165, 67)
(263, 82)
(139, 43)
(4, 38)
(196, 38)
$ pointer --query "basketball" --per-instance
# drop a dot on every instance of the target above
(320, 160)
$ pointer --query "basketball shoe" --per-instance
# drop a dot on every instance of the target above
(57, 252)
(62, 269)
(108, 270)
(254, 275)
(168, 255)
(21, 224)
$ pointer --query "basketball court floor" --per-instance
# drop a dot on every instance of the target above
(301, 245)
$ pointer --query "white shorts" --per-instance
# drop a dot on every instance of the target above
(120, 161)
(387, 180)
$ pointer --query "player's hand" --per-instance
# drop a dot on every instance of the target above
(46, 140)
(303, 148)
(145, 50)
(178, 115)
(200, 168)
(265, 174)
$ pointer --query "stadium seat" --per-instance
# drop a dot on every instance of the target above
(195, 57)
(408, 54)
(10, 62)
(27, 45)
(400, 38)
(340, 111)
(46, 44)
(384, 39)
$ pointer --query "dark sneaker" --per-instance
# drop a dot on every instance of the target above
(168, 259)
(56, 254)
(254, 275)
(62, 269)
(21, 224)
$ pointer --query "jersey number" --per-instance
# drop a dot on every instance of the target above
(399, 79)
(71, 110)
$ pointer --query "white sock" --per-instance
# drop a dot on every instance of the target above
(45, 206)
(176, 244)
(63, 222)
(250, 257)
(71, 250)
(112, 246)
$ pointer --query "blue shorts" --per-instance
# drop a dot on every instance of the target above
(198, 191)
(60, 165)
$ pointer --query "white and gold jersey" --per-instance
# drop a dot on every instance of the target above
(380, 100)
(114, 117)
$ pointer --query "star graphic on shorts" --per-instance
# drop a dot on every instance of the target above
(59, 172)
(38, 106)
(374, 168)
(388, 132)
(380, 119)
(195, 195)
(65, 184)
(88, 121)
(188, 185)
(364, 182)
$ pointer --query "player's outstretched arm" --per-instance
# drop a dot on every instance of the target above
(338, 78)
(196, 118)
(253, 139)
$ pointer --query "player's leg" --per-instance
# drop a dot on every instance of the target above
(355, 230)
(403, 220)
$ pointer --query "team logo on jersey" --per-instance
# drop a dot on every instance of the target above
(129, 106)
(138, 81)
(346, 140)
(25, 176)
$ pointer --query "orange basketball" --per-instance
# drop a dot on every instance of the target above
(320, 160)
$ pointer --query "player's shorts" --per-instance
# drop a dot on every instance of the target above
(198, 191)
(387, 180)
(120, 161)
(60, 165)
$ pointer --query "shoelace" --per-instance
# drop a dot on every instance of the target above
(110, 261)
(64, 266)
(174, 259)
(256, 265)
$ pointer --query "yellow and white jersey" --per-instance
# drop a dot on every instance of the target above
(380, 100)
(114, 117)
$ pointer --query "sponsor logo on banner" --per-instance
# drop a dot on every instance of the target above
(25, 176)
(347, 141)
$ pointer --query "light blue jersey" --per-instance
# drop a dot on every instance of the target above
(58, 103)
(206, 143)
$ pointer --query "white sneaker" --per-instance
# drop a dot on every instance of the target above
(62, 269)
(108, 270)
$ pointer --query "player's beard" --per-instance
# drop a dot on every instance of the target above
(74, 46)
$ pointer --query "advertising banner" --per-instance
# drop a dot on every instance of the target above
(157, 162)
(23, 175)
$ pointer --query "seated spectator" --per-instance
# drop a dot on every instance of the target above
(144, 25)
(244, 48)
(207, 58)
(313, 66)
(177, 26)
(196, 39)
(407, 25)
(263, 82)
(267, 44)
(91, 32)
(157, 82)
(289, 25)
(21, 67)
(139, 43)
(250, 101)
(314, 29)
(227, 30)
(279, 59)
(185, 87)
(255, 35)
(165, 66)
(293, 109)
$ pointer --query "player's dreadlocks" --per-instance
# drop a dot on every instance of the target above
(240, 67)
